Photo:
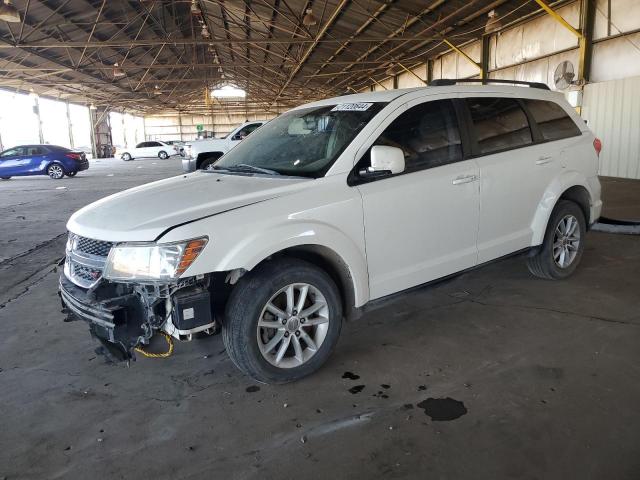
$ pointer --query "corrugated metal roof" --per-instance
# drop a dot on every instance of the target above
(68, 48)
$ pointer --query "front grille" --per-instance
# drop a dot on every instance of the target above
(92, 247)
(87, 274)
(85, 260)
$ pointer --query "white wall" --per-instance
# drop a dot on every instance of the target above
(184, 126)
(612, 110)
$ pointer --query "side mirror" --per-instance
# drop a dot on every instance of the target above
(235, 137)
(384, 161)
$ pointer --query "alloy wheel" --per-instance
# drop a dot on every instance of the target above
(56, 172)
(566, 241)
(293, 325)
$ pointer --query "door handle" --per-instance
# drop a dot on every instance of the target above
(544, 160)
(464, 179)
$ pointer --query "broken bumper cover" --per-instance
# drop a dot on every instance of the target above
(117, 322)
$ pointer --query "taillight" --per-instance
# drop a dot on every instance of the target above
(597, 145)
(74, 156)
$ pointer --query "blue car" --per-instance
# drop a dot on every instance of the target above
(41, 160)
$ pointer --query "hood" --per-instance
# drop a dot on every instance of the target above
(143, 213)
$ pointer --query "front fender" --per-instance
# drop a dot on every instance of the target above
(244, 237)
(551, 196)
(253, 249)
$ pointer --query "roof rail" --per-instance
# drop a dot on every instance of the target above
(445, 82)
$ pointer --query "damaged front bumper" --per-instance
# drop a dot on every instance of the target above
(125, 316)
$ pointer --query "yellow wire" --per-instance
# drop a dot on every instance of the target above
(158, 355)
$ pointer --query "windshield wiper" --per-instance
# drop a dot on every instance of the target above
(243, 167)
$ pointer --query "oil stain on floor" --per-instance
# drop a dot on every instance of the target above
(442, 409)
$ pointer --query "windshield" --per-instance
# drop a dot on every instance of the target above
(304, 142)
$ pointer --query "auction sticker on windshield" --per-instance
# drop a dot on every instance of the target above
(351, 107)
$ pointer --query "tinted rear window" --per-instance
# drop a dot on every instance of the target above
(554, 123)
(499, 124)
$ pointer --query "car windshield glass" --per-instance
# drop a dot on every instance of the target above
(304, 142)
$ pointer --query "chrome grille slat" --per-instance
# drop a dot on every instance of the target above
(85, 261)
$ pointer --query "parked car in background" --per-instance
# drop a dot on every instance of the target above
(154, 148)
(178, 146)
(202, 154)
(49, 160)
(328, 207)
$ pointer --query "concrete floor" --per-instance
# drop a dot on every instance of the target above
(548, 373)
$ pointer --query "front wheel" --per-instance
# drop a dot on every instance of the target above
(162, 155)
(563, 244)
(55, 171)
(5, 178)
(126, 157)
(282, 321)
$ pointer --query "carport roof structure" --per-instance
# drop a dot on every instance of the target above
(150, 56)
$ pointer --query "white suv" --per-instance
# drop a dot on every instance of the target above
(329, 206)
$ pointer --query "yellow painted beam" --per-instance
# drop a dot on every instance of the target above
(412, 73)
(558, 18)
(467, 57)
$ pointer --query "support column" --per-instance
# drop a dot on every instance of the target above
(180, 125)
(69, 127)
(36, 110)
(587, 21)
(484, 60)
(100, 131)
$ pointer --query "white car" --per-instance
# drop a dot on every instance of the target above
(148, 149)
(202, 154)
(328, 207)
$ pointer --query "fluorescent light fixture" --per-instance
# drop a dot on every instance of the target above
(229, 91)
(8, 12)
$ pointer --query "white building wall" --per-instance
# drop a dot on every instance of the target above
(612, 110)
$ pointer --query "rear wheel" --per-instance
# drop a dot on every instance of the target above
(282, 321)
(561, 251)
(71, 174)
(162, 155)
(126, 157)
(5, 178)
(55, 171)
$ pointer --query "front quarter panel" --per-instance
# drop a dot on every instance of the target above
(324, 212)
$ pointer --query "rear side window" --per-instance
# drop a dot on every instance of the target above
(427, 133)
(499, 124)
(554, 123)
(35, 151)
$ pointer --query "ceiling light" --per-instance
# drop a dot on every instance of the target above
(156, 90)
(118, 72)
(8, 12)
(493, 23)
(229, 91)
(205, 32)
(32, 93)
(195, 9)
(309, 18)
(92, 107)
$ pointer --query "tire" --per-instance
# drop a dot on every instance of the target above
(5, 178)
(71, 174)
(559, 254)
(208, 164)
(268, 284)
(162, 155)
(126, 157)
(55, 171)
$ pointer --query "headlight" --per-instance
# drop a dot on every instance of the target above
(152, 262)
